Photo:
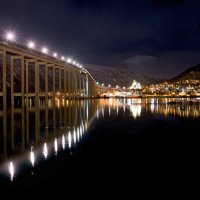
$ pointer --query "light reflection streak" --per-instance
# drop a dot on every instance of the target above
(77, 131)
(32, 157)
(56, 146)
(102, 110)
(58, 103)
(45, 150)
(11, 170)
(152, 107)
(63, 142)
(124, 108)
(83, 130)
(135, 110)
(97, 114)
(74, 136)
(69, 138)
(80, 130)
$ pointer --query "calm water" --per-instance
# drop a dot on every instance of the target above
(102, 140)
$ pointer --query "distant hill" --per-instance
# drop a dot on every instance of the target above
(122, 76)
(188, 74)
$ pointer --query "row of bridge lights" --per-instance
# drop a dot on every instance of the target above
(10, 36)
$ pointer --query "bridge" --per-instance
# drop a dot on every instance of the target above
(29, 74)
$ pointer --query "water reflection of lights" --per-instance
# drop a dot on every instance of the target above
(45, 150)
(124, 108)
(11, 170)
(102, 110)
(32, 157)
(51, 146)
(152, 100)
(77, 128)
(83, 128)
(58, 103)
(135, 110)
(110, 101)
(49, 103)
(74, 137)
(80, 130)
(152, 107)
(56, 146)
(129, 102)
(97, 114)
(77, 131)
(69, 138)
(63, 142)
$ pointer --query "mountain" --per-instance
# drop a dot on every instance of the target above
(188, 74)
(122, 76)
(163, 65)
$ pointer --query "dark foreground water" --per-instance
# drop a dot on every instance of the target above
(98, 145)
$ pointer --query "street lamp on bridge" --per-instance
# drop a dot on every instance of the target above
(10, 36)
(55, 55)
(44, 50)
(69, 60)
(31, 45)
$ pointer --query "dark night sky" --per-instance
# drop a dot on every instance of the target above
(110, 32)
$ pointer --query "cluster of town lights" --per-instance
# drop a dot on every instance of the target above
(103, 85)
(10, 36)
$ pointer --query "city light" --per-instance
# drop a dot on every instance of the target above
(109, 85)
(102, 84)
(31, 45)
(62, 57)
(117, 86)
(74, 63)
(97, 83)
(44, 50)
(124, 88)
(10, 36)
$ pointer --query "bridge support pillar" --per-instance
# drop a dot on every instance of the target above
(4, 69)
(46, 94)
(54, 87)
(12, 75)
(65, 81)
(60, 81)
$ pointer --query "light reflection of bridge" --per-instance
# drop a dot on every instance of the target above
(22, 128)
(26, 73)
(59, 126)
(42, 130)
